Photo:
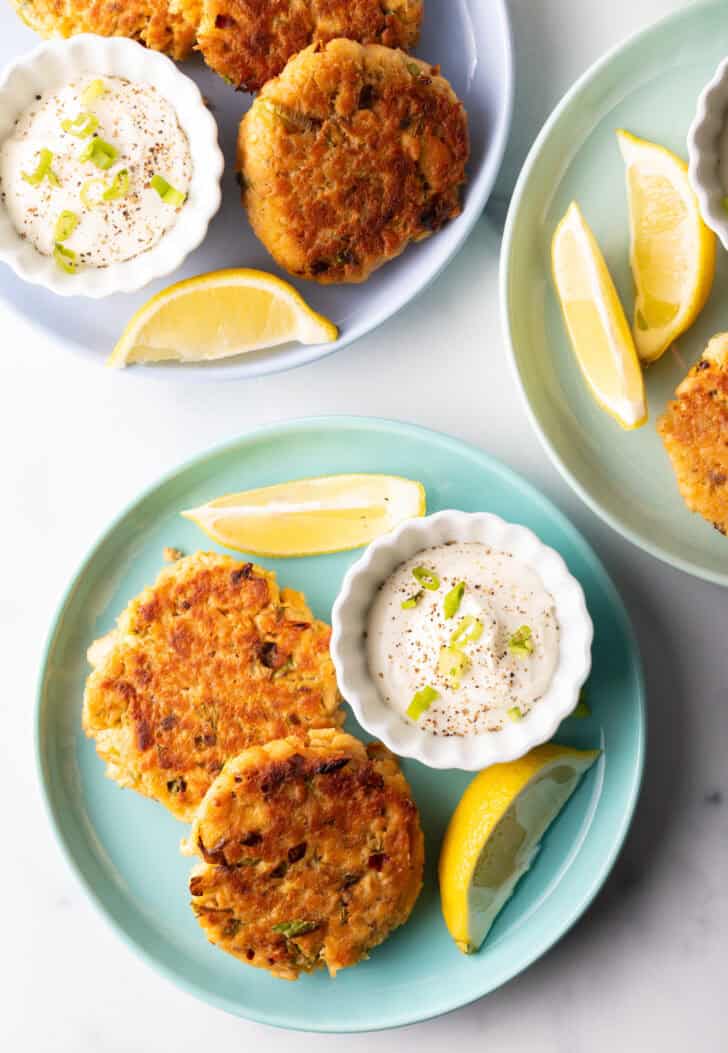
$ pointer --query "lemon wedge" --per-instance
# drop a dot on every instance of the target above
(310, 517)
(672, 251)
(219, 315)
(596, 323)
(495, 831)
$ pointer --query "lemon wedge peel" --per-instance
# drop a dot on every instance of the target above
(665, 228)
(204, 319)
(508, 807)
(308, 517)
(596, 323)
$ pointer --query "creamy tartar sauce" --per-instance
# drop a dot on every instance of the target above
(143, 129)
(490, 661)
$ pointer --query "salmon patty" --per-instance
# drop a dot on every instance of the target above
(351, 154)
(694, 429)
(250, 41)
(312, 853)
(211, 659)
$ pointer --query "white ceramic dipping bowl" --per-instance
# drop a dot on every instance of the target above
(349, 650)
(705, 136)
(50, 67)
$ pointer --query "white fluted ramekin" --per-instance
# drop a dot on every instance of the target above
(58, 62)
(704, 141)
(349, 650)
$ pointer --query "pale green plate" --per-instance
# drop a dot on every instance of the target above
(650, 87)
(124, 848)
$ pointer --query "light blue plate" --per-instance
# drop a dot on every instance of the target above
(125, 848)
(471, 41)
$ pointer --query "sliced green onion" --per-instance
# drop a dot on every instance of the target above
(451, 603)
(413, 69)
(65, 225)
(290, 929)
(167, 192)
(426, 578)
(85, 194)
(469, 629)
(521, 643)
(412, 601)
(581, 711)
(452, 663)
(421, 702)
(93, 91)
(43, 170)
(515, 714)
(101, 153)
(119, 186)
(66, 259)
(82, 126)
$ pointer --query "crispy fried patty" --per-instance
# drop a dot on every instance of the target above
(162, 25)
(348, 156)
(250, 41)
(694, 429)
(312, 854)
(210, 660)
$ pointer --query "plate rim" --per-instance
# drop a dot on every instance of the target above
(298, 355)
(568, 99)
(493, 980)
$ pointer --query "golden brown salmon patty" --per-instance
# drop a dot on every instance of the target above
(162, 25)
(250, 41)
(312, 854)
(348, 156)
(694, 429)
(211, 659)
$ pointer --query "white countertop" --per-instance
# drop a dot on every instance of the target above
(645, 968)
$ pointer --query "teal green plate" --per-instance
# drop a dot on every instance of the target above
(124, 848)
(649, 86)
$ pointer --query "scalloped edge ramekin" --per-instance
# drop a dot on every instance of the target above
(704, 136)
(349, 651)
(54, 64)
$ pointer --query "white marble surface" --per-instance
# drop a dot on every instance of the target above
(645, 968)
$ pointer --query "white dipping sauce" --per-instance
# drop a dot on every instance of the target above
(501, 596)
(141, 125)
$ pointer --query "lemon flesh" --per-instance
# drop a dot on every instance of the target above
(219, 315)
(311, 516)
(495, 834)
(672, 252)
(596, 323)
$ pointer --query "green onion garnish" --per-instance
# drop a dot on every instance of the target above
(43, 170)
(515, 714)
(412, 601)
(581, 711)
(421, 702)
(65, 225)
(469, 629)
(290, 929)
(92, 91)
(167, 192)
(451, 603)
(101, 153)
(413, 69)
(521, 643)
(451, 664)
(85, 194)
(119, 186)
(426, 578)
(66, 259)
(82, 126)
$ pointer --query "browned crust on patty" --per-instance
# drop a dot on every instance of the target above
(348, 156)
(250, 41)
(210, 660)
(694, 429)
(312, 853)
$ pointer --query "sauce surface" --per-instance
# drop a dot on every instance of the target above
(505, 630)
(142, 127)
